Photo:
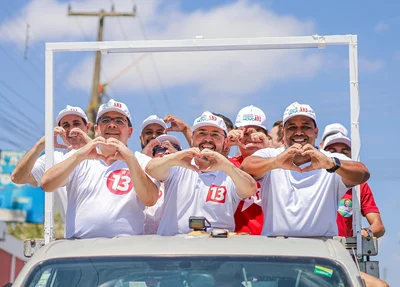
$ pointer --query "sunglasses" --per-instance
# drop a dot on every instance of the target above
(118, 120)
(159, 149)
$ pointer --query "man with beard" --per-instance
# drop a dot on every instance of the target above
(72, 127)
(201, 181)
(106, 185)
(300, 185)
(251, 135)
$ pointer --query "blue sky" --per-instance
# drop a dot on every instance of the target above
(187, 84)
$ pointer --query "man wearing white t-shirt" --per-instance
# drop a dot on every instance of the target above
(72, 127)
(106, 185)
(300, 185)
(200, 181)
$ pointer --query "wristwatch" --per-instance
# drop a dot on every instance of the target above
(337, 165)
(369, 231)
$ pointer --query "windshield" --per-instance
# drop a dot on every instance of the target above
(188, 272)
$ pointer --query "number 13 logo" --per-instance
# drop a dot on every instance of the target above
(119, 181)
(216, 194)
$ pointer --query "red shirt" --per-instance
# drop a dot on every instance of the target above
(344, 217)
(249, 216)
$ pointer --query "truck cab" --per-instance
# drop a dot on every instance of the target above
(191, 260)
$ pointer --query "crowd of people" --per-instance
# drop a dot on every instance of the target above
(280, 184)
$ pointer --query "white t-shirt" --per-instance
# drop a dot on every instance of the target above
(153, 214)
(102, 201)
(300, 204)
(60, 195)
(189, 193)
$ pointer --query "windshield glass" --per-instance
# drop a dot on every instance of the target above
(188, 272)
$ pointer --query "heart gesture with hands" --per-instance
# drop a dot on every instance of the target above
(234, 137)
(148, 149)
(59, 131)
(122, 152)
(184, 158)
(169, 146)
(257, 139)
(80, 135)
(212, 160)
(285, 160)
(89, 151)
(318, 159)
(177, 125)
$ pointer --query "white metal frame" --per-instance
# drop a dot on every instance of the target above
(195, 45)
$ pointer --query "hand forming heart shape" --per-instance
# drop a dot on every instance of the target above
(296, 155)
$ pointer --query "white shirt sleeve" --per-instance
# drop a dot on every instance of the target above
(143, 161)
(38, 169)
(68, 155)
(268, 152)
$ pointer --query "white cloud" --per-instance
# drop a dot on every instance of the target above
(49, 20)
(370, 66)
(381, 27)
(228, 75)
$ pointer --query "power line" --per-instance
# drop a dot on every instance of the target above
(135, 61)
(24, 133)
(16, 110)
(20, 96)
(163, 91)
(40, 52)
(119, 22)
(146, 90)
(25, 57)
(20, 68)
(87, 39)
(11, 142)
(23, 30)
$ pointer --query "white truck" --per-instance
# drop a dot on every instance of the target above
(193, 259)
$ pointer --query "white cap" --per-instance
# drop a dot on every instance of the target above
(336, 138)
(114, 106)
(251, 116)
(209, 119)
(171, 139)
(69, 110)
(333, 129)
(153, 119)
(296, 109)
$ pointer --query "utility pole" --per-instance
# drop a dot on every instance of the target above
(95, 99)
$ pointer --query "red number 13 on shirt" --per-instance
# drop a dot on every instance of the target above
(216, 194)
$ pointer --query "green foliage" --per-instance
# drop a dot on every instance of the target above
(22, 230)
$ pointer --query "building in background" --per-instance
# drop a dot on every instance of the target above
(12, 257)
(18, 203)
